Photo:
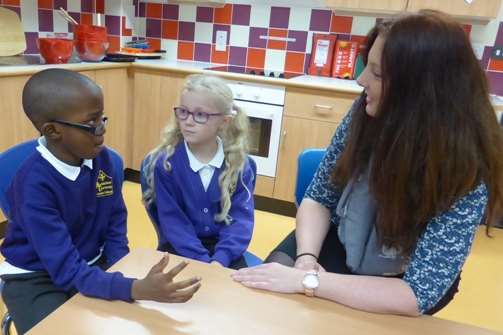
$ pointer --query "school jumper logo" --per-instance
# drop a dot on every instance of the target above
(104, 186)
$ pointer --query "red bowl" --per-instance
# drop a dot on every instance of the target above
(91, 50)
(55, 50)
(91, 32)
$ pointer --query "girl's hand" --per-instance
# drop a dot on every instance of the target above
(307, 263)
(272, 277)
(159, 286)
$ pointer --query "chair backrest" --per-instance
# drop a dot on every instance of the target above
(307, 164)
(10, 161)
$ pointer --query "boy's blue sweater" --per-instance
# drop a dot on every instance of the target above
(58, 225)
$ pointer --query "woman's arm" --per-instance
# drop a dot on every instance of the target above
(312, 225)
(368, 293)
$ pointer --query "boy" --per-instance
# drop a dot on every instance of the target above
(68, 218)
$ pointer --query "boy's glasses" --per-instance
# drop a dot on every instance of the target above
(95, 130)
(183, 113)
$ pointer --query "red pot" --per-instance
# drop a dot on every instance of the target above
(55, 50)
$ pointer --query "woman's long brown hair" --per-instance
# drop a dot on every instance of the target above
(435, 135)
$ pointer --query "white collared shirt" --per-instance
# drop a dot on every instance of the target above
(207, 170)
(69, 171)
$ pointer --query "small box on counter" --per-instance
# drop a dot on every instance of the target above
(322, 54)
(344, 59)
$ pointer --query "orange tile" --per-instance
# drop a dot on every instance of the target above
(358, 38)
(100, 6)
(294, 62)
(170, 29)
(115, 43)
(186, 50)
(154, 10)
(341, 24)
(86, 18)
(12, 3)
(495, 65)
(280, 45)
(219, 57)
(45, 4)
(223, 14)
(255, 58)
(155, 43)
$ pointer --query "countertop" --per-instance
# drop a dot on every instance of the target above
(304, 81)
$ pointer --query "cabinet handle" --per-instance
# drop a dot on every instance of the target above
(283, 137)
(323, 109)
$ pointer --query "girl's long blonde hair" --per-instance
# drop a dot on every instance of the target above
(234, 138)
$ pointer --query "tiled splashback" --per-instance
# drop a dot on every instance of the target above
(39, 18)
(188, 32)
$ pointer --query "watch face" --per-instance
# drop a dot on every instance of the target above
(311, 281)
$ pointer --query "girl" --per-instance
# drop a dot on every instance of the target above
(200, 179)
(390, 216)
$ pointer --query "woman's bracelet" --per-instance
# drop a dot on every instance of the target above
(306, 254)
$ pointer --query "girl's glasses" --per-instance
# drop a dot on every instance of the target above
(183, 113)
(95, 130)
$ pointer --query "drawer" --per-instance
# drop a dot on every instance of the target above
(317, 105)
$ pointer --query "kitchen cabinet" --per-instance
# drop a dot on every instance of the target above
(367, 6)
(114, 83)
(311, 117)
(476, 9)
(155, 95)
(16, 127)
(298, 134)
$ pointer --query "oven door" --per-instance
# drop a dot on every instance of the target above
(265, 130)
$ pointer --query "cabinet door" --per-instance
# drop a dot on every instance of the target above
(369, 6)
(155, 95)
(297, 135)
(16, 127)
(117, 107)
(476, 9)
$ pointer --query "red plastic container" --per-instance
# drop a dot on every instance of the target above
(89, 32)
(91, 42)
(55, 50)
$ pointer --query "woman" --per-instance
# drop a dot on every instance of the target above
(414, 168)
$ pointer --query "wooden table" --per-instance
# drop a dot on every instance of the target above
(223, 307)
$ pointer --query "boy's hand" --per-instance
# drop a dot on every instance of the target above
(159, 286)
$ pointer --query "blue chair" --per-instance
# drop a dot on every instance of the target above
(251, 259)
(10, 161)
(307, 164)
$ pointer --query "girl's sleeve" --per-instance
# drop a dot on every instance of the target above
(234, 239)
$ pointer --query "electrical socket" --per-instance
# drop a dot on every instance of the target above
(221, 40)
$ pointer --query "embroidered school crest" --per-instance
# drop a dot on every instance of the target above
(104, 185)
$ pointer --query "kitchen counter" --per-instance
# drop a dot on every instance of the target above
(20, 70)
(306, 81)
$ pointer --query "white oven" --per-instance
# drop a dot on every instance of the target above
(264, 106)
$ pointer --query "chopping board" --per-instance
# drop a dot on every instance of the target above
(12, 40)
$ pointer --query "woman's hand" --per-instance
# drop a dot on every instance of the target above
(159, 286)
(272, 277)
(308, 262)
